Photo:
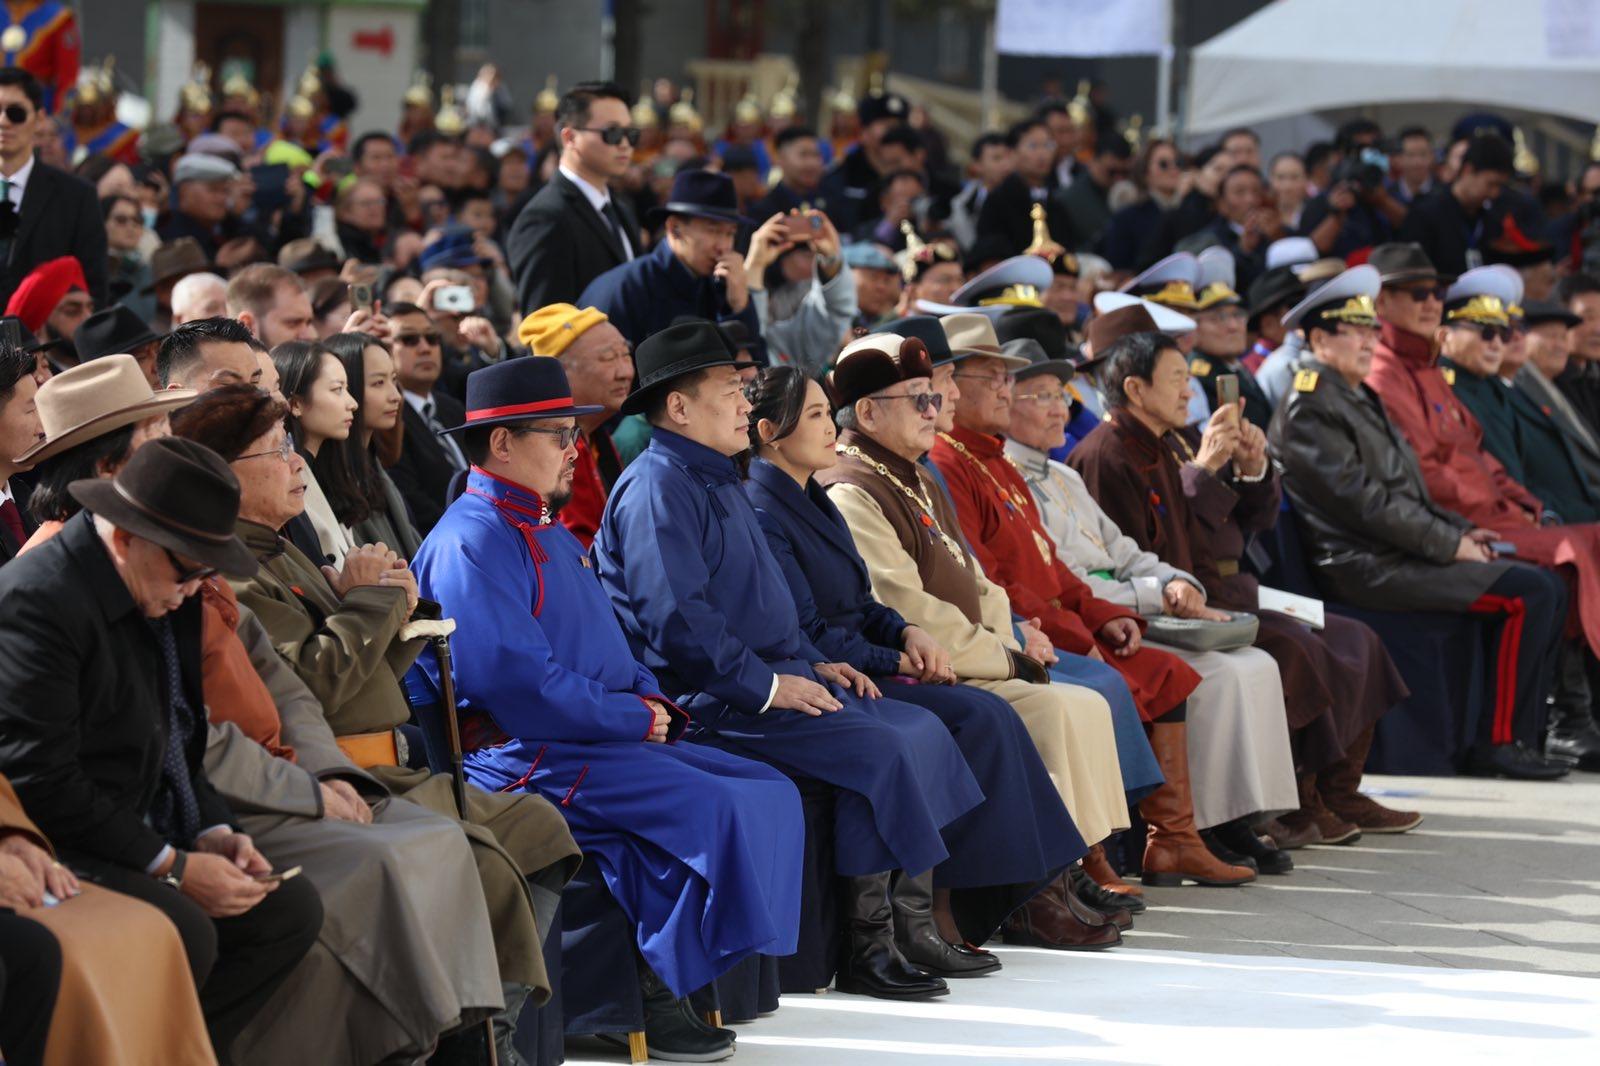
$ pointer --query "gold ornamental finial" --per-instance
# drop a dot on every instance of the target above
(1521, 157)
(1079, 108)
(1042, 242)
(450, 121)
(548, 99)
(683, 113)
(1133, 132)
(420, 94)
(195, 96)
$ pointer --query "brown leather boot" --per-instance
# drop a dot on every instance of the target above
(1099, 868)
(1046, 921)
(1173, 850)
(1339, 787)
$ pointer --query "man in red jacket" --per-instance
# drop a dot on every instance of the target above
(1460, 474)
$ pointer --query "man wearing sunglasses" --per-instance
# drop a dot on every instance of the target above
(428, 459)
(45, 213)
(574, 229)
(1460, 473)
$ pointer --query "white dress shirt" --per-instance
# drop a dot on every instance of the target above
(598, 198)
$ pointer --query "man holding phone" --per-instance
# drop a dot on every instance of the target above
(1220, 342)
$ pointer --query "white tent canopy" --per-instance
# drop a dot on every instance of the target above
(1294, 57)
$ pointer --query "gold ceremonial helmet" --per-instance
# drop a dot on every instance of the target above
(1482, 309)
(1133, 132)
(238, 85)
(420, 93)
(683, 113)
(300, 107)
(95, 82)
(548, 99)
(1079, 108)
(747, 110)
(644, 113)
(195, 95)
(310, 83)
(920, 254)
(786, 104)
(842, 100)
(450, 120)
(1521, 157)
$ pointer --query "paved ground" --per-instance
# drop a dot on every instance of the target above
(1502, 875)
(1475, 938)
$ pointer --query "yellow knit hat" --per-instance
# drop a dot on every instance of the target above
(549, 330)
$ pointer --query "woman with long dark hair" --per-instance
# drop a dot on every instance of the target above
(1022, 836)
(321, 413)
(373, 442)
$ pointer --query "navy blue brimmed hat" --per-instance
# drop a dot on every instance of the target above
(519, 390)
(452, 248)
(701, 194)
(663, 357)
(926, 329)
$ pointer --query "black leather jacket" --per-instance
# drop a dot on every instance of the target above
(1373, 535)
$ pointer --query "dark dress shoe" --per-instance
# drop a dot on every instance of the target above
(1221, 850)
(1290, 834)
(917, 936)
(1516, 761)
(1046, 922)
(673, 1031)
(1091, 916)
(1580, 746)
(1102, 899)
(1238, 836)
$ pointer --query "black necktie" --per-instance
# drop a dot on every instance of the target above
(176, 814)
(613, 216)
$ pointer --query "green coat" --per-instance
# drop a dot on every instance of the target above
(349, 654)
(1528, 444)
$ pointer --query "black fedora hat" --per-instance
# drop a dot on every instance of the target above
(519, 390)
(682, 348)
(926, 329)
(1035, 323)
(1275, 287)
(1401, 261)
(1538, 312)
(180, 495)
(25, 337)
(1039, 362)
(701, 194)
(115, 330)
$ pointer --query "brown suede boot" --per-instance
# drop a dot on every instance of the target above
(1330, 828)
(1339, 787)
(1048, 921)
(1173, 850)
(1099, 869)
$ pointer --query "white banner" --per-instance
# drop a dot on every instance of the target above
(1082, 27)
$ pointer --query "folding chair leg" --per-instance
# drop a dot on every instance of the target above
(637, 1050)
(714, 1019)
(492, 1057)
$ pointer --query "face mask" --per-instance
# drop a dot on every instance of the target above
(150, 215)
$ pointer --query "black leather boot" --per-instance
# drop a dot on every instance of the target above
(672, 1030)
(1090, 891)
(918, 939)
(1221, 850)
(1238, 837)
(870, 964)
(1571, 733)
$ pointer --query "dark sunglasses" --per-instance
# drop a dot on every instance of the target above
(923, 401)
(198, 573)
(1419, 293)
(16, 114)
(565, 437)
(614, 135)
(1487, 332)
(411, 340)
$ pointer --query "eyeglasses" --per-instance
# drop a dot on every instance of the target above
(922, 401)
(184, 575)
(994, 384)
(284, 451)
(411, 340)
(1420, 293)
(128, 220)
(1044, 399)
(614, 135)
(565, 437)
(1487, 332)
(16, 114)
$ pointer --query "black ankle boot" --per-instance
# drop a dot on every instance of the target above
(672, 1030)
(1239, 837)
(870, 964)
(918, 938)
(1223, 852)
(1571, 733)
(1102, 899)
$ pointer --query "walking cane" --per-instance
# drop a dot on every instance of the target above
(447, 700)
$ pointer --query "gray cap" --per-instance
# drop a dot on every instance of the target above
(200, 167)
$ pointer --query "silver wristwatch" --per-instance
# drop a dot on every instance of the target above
(173, 878)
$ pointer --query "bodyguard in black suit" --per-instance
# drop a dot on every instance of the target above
(427, 461)
(45, 213)
(103, 726)
(574, 229)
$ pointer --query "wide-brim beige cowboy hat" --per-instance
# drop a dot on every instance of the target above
(94, 398)
(972, 334)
